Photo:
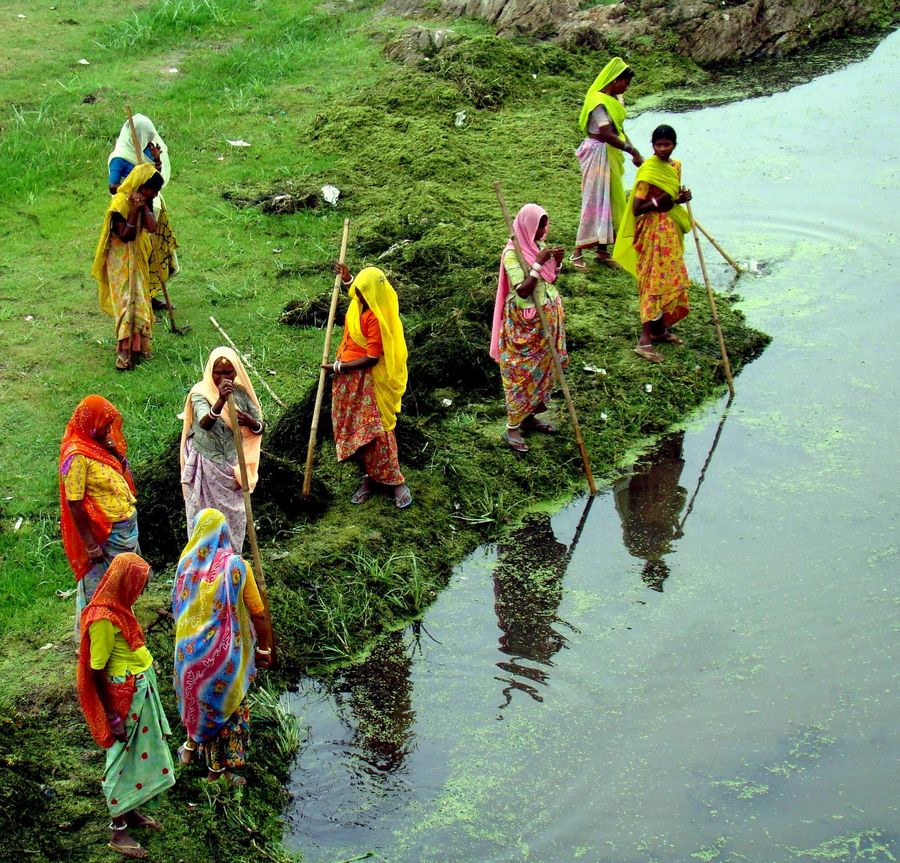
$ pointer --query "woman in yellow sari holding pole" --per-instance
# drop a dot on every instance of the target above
(123, 251)
(602, 160)
(369, 382)
(650, 244)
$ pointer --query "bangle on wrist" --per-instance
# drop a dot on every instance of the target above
(347, 282)
(264, 651)
(213, 414)
(655, 203)
(129, 225)
(259, 427)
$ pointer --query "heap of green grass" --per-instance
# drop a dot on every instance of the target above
(313, 94)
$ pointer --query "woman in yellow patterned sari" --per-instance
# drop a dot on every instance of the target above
(650, 244)
(122, 250)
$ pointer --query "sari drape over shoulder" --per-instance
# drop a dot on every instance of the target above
(117, 592)
(214, 645)
(665, 176)
(389, 374)
(91, 415)
(208, 389)
(525, 227)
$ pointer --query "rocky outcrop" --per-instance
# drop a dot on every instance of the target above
(709, 32)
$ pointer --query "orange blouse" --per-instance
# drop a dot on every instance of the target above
(349, 350)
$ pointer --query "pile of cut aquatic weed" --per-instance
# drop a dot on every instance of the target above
(423, 209)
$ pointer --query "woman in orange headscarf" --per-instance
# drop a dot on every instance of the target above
(369, 382)
(97, 510)
(119, 697)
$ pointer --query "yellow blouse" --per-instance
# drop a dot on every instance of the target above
(110, 650)
(105, 485)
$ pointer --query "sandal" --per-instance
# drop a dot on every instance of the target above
(138, 820)
(540, 426)
(668, 338)
(517, 445)
(123, 361)
(363, 493)
(133, 850)
(578, 263)
(648, 352)
(404, 498)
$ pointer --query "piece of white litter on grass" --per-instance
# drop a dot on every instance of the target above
(595, 370)
(220, 159)
(19, 522)
(277, 251)
(20, 15)
(460, 119)
(239, 143)
(446, 402)
(65, 594)
(648, 388)
(29, 317)
(604, 416)
(330, 194)
(272, 371)
(46, 646)
(83, 62)
(172, 71)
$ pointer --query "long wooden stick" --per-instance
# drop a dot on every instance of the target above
(326, 352)
(718, 248)
(557, 365)
(248, 508)
(246, 361)
(712, 304)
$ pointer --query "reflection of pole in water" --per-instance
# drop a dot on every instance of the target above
(649, 503)
(709, 456)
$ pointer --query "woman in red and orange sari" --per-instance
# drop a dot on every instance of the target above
(119, 696)
(369, 382)
(650, 245)
(518, 343)
(97, 510)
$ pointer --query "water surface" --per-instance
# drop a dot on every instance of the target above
(679, 670)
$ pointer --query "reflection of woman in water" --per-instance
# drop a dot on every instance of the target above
(649, 502)
(528, 590)
(379, 693)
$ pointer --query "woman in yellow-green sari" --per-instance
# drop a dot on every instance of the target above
(602, 160)
(369, 382)
(650, 244)
(122, 250)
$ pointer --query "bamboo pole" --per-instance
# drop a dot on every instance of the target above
(314, 428)
(712, 304)
(557, 365)
(718, 248)
(248, 509)
(246, 361)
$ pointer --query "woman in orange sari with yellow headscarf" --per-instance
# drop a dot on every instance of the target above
(369, 382)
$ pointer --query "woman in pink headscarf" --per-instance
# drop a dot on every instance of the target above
(518, 343)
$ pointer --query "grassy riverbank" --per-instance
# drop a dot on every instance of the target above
(310, 90)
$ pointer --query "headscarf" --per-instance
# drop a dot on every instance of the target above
(525, 226)
(117, 592)
(214, 645)
(208, 389)
(658, 173)
(146, 133)
(89, 417)
(118, 203)
(595, 96)
(388, 376)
